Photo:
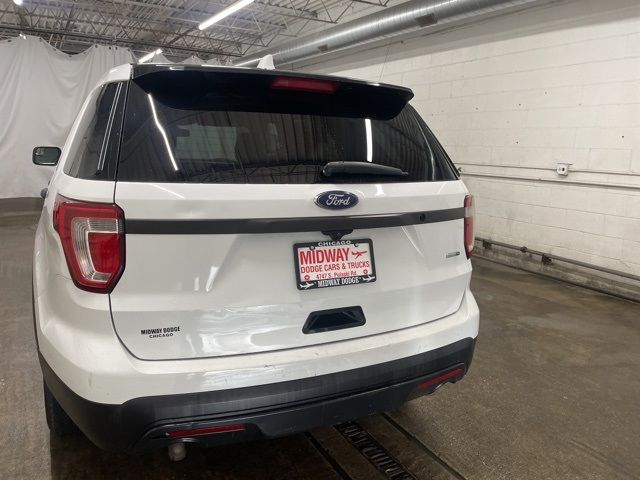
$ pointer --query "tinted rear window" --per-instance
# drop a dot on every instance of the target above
(240, 137)
(94, 148)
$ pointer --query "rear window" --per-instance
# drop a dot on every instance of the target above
(241, 136)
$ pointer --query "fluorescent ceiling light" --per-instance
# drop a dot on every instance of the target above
(17, 2)
(225, 13)
(162, 132)
(367, 129)
(150, 55)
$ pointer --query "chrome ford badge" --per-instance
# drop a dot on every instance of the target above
(336, 199)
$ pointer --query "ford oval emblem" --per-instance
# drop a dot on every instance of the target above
(336, 199)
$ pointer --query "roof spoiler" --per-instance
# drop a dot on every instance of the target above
(249, 89)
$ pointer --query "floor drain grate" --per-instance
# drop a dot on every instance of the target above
(373, 451)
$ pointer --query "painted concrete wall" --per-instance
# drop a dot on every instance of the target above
(510, 97)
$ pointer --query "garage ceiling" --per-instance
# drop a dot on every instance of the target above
(143, 25)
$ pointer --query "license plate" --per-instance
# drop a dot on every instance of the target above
(334, 264)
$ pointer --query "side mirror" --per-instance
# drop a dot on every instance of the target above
(46, 155)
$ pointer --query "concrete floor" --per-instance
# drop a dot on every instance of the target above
(554, 393)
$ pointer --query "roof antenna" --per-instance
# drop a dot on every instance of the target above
(266, 63)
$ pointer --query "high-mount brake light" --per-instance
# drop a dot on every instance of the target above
(311, 85)
(469, 234)
(92, 237)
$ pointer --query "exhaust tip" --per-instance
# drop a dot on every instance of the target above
(177, 451)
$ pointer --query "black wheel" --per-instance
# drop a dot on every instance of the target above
(57, 419)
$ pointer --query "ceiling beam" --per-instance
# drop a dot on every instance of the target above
(135, 44)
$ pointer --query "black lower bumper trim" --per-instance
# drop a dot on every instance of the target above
(266, 411)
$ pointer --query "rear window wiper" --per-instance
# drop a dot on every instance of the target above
(361, 168)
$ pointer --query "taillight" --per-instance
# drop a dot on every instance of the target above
(469, 235)
(305, 84)
(92, 237)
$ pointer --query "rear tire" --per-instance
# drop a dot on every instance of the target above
(60, 424)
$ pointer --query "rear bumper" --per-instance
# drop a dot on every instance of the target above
(77, 339)
(263, 411)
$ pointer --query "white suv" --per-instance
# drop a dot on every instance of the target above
(204, 265)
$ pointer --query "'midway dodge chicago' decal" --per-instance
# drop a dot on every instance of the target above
(334, 264)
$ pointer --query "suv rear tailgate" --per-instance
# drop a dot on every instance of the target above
(197, 295)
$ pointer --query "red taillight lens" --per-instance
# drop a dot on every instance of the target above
(441, 378)
(469, 234)
(305, 84)
(92, 237)
(194, 432)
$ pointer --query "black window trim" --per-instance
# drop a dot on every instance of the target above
(107, 133)
(422, 125)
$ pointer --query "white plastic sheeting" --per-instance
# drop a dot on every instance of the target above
(157, 58)
(192, 60)
(42, 90)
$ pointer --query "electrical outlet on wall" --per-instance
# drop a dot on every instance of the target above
(563, 169)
